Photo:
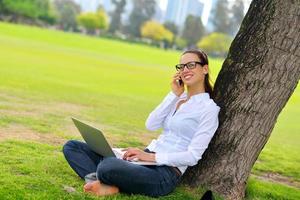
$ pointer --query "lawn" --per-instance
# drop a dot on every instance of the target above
(48, 76)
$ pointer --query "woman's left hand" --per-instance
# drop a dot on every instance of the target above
(137, 154)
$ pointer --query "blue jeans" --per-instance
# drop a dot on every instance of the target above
(129, 178)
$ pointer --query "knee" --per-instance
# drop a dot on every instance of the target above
(107, 168)
(69, 146)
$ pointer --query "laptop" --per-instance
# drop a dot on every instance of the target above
(97, 142)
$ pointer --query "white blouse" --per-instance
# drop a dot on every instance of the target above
(186, 133)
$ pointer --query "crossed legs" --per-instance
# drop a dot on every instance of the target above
(116, 175)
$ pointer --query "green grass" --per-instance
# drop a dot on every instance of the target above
(42, 173)
(47, 76)
(281, 153)
(270, 191)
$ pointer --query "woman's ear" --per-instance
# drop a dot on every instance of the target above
(205, 69)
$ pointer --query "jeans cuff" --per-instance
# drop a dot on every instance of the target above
(90, 177)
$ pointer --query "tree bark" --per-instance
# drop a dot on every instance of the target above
(257, 78)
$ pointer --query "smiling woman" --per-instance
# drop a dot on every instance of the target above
(196, 57)
(189, 120)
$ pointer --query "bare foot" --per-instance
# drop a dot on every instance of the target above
(100, 189)
(87, 186)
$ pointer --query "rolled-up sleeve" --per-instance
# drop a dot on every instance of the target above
(199, 143)
(157, 116)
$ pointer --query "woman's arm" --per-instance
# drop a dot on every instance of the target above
(157, 116)
(198, 145)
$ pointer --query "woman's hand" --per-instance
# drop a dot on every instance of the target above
(137, 154)
(176, 88)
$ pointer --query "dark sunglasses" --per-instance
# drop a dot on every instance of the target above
(189, 65)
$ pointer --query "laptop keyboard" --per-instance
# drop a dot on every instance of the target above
(118, 152)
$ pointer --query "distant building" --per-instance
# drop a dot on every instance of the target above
(178, 10)
(210, 26)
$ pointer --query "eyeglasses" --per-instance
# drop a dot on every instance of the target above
(189, 65)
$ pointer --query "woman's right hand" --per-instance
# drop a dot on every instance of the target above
(176, 88)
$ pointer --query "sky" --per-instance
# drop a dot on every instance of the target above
(207, 7)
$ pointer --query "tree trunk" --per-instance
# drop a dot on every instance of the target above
(257, 78)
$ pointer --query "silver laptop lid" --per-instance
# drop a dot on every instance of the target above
(94, 138)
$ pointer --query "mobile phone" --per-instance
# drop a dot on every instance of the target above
(180, 82)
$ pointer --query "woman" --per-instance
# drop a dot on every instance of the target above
(189, 120)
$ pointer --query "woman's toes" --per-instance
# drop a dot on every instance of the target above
(100, 189)
(87, 187)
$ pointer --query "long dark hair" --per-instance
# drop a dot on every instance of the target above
(204, 60)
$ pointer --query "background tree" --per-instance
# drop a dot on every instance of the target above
(67, 11)
(23, 10)
(93, 21)
(156, 32)
(257, 78)
(215, 44)
(237, 12)
(102, 19)
(193, 30)
(221, 19)
(174, 29)
(88, 21)
(2, 9)
(171, 27)
(115, 23)
(180, 43)
(143, 10)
